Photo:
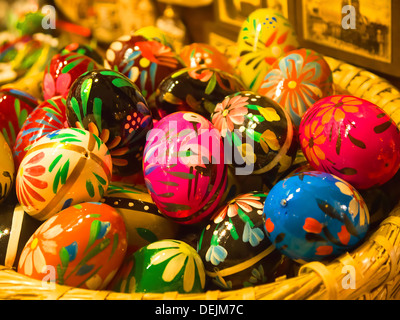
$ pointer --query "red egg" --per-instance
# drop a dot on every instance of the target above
(45, 118)
(15, 106)
(82, 246)
(351, 138)
(63, 70)
(145, 61)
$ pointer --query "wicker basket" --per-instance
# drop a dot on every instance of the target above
(374, 264)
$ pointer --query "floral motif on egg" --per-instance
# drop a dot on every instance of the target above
(258, 129)
(197, 89)
(92, 104)
(297, 81)
(51, 177)
(165, 265)
(62, 71)
(84, 245)
(265, 36)
(333, 138)
(234, 247)
(146, 62)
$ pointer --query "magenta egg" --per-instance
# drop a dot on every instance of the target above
(184, 168)
(351, 138)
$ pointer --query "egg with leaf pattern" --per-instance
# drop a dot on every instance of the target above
(184, 169)
(109, 105)
(265, 36)
(258, 131)
(82, 246)
(234, 247)
(351, 138)
(315, 216)
(63, 168)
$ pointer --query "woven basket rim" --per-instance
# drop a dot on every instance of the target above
(375, 262)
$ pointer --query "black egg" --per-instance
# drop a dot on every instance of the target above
(108, 104)
(85, 50)
(195, 89)
(234, 247)
(16, 227)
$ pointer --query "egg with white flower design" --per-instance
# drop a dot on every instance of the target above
(234, 247)
(82, 246)
(162, 266)
(259, 132)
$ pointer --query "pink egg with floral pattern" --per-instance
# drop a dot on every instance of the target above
(63, 70)
(351, 138)
(184, 167)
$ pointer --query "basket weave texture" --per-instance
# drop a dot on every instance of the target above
(374, 265)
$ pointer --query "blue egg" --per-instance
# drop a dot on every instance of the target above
(315, 216)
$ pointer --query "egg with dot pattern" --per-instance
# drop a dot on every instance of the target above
(144, 222)
(145, 61)
(110, 106)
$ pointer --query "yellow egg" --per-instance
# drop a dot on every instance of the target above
(265, 36)
(7, 169)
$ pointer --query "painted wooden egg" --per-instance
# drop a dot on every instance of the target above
(314, 216)
(184, 169)
(204, 55)
(62, 71)
(195, 89)
(63, 168)
(162, 266)
(144, 223)
(154, 33)
(145, 61)
(258, 131)
(15, 106)
(234, 247)
(110, 106)
(82, 246)
(16, 227)
(7, 169)
(298, 80)
(351, 138)
(83, 49)
(265, 36)
(45, 118)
